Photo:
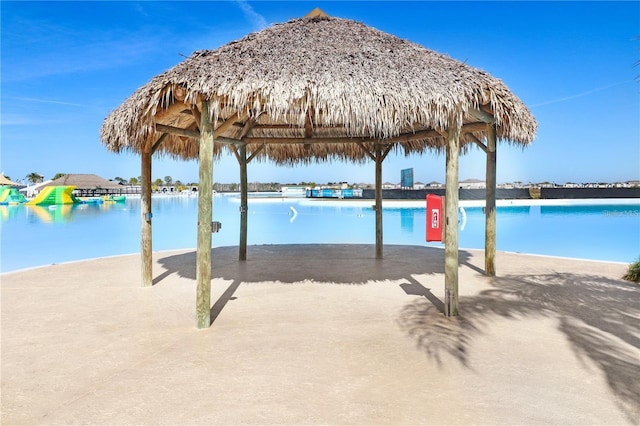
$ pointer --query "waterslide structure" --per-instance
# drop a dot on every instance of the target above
(9, 195)
(55, 195)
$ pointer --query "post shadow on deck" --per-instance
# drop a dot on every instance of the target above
(414, 288)
(222, 301)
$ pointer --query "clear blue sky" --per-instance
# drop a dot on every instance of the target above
(66, 66)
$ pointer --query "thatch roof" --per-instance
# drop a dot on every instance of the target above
(310, 88)
(5, 181)
(84, 181)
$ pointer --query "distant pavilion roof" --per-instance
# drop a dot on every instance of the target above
(5, 181)
(84, 181)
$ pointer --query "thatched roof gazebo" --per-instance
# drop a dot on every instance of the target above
(87, 184)
(8, 182)
(317, 89)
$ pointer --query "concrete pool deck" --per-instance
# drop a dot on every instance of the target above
(321, 334)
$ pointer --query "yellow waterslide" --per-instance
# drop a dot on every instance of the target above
(55, 195)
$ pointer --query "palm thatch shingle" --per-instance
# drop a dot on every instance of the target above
(312, 87)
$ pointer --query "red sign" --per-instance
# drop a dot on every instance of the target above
(434, 218)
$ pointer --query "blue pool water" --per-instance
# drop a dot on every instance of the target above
(34, 236)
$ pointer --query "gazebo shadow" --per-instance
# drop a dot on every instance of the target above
(345, 264)
(348, 264)
(595, 314)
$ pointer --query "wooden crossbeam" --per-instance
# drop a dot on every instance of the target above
(234, 149)
(228, 123)
(467, 128)
(248, 126)
(298, 141)
(194, 134)
(157, 144)
(367, 151)
(483, 116)
(163, 128)
(477, 141)
(386, 151)
(196, 115)
(174, 108)
(256, 152)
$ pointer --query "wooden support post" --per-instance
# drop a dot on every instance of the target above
(451, 224)
(244, 205)
(146, 247)
(490, 207)
(379, 158)
(205, 215)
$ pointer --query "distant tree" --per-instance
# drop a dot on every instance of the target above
(34, 177)
(134, 181)
(168, 180)
(120, 180)
(158, 182)
(58, 175)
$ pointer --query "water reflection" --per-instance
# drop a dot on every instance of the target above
(55, 213)
(52, 214)
(8, 212)
(406, 220)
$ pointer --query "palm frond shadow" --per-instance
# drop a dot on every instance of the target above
(598, 316)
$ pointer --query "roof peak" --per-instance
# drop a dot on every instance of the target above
(317, 12)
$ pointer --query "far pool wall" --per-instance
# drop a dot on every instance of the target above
(508, 194)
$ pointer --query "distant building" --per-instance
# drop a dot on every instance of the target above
(406, 178)
(293, 191)
(362, 185)
(545, 185)
(472, 184)
(419, 185)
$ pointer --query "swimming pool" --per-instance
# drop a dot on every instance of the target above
(34, 236)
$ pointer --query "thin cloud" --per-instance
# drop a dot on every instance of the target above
(579, 95)
(10, 120)
(258, 21)
(45, 101)
(38, 48)
(88, 57)
(15, 120)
